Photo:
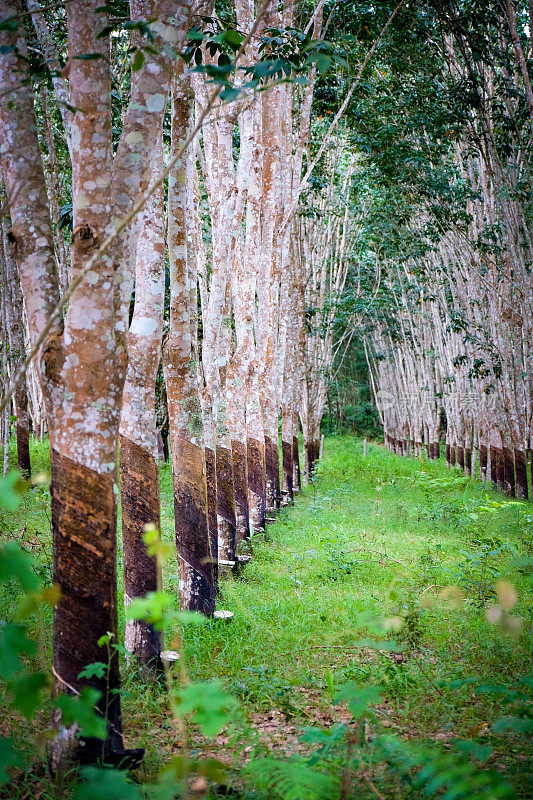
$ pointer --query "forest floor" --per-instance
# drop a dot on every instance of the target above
(371, 545)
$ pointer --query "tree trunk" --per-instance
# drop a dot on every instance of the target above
(286, 455)
(521, 474)
(85, 570)
(483, 458)
(296, 475)
(212, 511)
(240, 491)
(508, 471)
(139, 475)
(270, 474)
(14, 311)
(139, 492)
(225, 504)
(197, 555)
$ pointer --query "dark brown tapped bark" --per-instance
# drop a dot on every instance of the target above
(256, 482)
(277, 477)
(448, 455)
(212, 516)
(240, 483)
(196, 554)
(508, 472)
(310, 458)
(436, 447)
(225, 504)
(139, 491)
(286, 457)
(493, 466)
(483, 459)
(520, 461)
(460, 457)
(296, 472)
(452, 456)
(15, 332)
(84, 547)
(500, 469)
(468, 461)
(270, 473)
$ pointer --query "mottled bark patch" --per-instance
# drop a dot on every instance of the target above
(84, 238)
(84, 546)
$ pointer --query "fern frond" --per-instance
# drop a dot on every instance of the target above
(291, 780)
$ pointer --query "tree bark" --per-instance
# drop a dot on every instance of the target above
(508, 471)
(521, 474)
(483, 458)
(139, 474)
(14, 311)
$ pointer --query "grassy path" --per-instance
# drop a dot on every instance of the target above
(364, 555)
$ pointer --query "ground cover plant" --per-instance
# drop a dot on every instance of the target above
(380, 646)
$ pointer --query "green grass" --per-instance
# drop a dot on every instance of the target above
(378, 537)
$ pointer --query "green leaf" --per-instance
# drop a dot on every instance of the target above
(211, 708)
(13, 643)
(233, 38)
(111, 784)
(229, 94)
(95, 670)
(10, 24)
(16, 564)
(138, 61)
(81, 710)
(291, 780)
(514, 724)
(9, 757)
(191, 618)
(26, 692)
(358, 697)
(480, 751)
(151, 609)
(329, 682)
(11, 487)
